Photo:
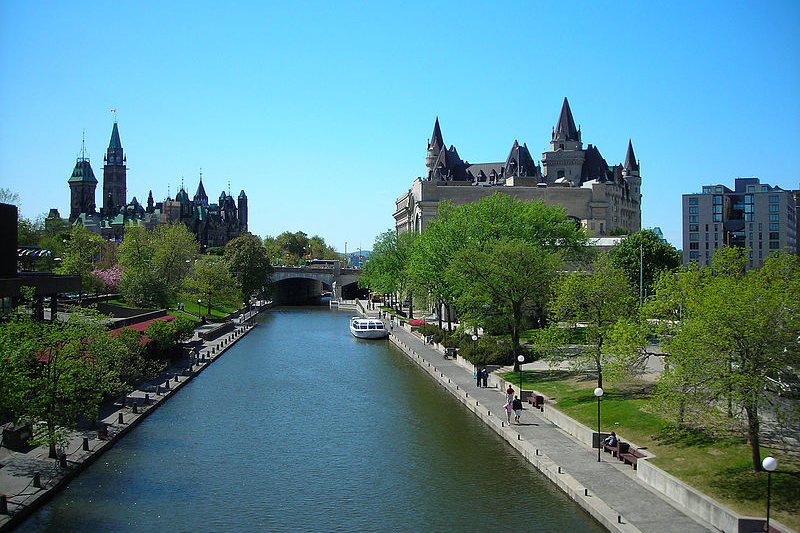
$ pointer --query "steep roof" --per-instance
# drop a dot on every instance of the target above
(630, 159)
(523, 162)
(82, 173)
(115, 143)
(436, 138)
(565, 129)
(594, 165)
(200, 196)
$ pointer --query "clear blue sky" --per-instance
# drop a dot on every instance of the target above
(321, 111)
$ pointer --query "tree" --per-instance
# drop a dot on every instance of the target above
(175, 247)
(597, 300)
(293, 247)
(387, 269)
(506, 278)
(164, 336)
(7, 196)
(249, 265)
(656, 257)
(83, 247)
(56, 372)
(736, 330)
(211, 281)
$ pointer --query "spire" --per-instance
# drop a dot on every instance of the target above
(630, 159)
(436, 138)
(565, 129)
(114, 144)
(200, 197)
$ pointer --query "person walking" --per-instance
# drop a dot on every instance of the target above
(479, 377)
(508, 409)
(485, 378)
(509, 394)
(516, 404)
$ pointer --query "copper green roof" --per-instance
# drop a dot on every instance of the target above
(82, 173)
(115, 143)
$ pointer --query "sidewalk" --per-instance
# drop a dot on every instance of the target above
(608, 489)
(19, 470)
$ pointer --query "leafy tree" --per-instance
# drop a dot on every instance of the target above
(656, 257)
(249, 265)
(387, 270)
(736, 330)
(599, 299)
(55, 372)
(163, 335)
(317, 249)
(82, 248)
(273, 250)
(211, 281)
(293, 246)
(133, 366)
(184, 327)
(502, 280)
(7, 196)
(175, 247)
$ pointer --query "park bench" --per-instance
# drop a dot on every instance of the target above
(537, 401)
(631, 456)
(613, 450)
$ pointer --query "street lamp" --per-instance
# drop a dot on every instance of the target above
(599, 393)
(769, 464)
(474, 345)
(198, 306)
(520, 360)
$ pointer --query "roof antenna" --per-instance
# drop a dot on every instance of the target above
(229, 187)
(201, 173)
(181, 182)
(115, 115)
(83, 145)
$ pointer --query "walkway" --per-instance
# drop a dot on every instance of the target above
(608, 489)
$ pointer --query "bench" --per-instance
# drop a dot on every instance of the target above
(613, 450)
(537, 401)
(631, 456)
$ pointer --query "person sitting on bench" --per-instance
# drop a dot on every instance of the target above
(611, 440)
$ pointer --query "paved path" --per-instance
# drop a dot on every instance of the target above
(639, 507)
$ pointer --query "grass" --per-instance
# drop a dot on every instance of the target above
(718, 467)
(190, 306)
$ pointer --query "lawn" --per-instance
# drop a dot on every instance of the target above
(720, 468)
(191, 308)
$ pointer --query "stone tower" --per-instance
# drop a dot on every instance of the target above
(114, 176)
(630, 171)
(566, 156)
(82, 186)
(242, 211)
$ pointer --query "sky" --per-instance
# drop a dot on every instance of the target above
(321, 111)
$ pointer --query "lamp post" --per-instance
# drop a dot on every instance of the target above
(520, 360)
(474, 345)
(599, 393)
(769, 464)
(198, 306)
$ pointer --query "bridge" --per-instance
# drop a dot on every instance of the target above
(305, 284)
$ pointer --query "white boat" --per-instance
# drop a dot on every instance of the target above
(367, 328)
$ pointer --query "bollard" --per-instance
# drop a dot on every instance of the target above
(619, 519)
(585, 491)
(176, 378)
(166, 385)
(559, 470)
(519, 437)
(62, 460)
(158, 389)
(3, 504)
(85, 444)
(37, 480)
(146, 399)
(502, 424)
(120, 419)
(489, 413)
(135, 408)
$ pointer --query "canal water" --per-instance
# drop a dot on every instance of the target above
(301, 427)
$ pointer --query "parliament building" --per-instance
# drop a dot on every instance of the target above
(214, 224)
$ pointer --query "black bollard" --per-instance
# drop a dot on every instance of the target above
(146, 399)
(585, 492)
(3, 504)
(62, 460)
(37, 480)
(166, 385)
(158, 389)
(176, 378)
(135, 408)
(120, 418)
(86, 444)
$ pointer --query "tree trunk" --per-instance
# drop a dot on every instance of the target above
(410, 306)
(752, 435)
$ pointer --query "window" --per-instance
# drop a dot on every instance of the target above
(717, 200)
(717, 217)
(774, 226)
(773, 245)
(695, 227)
(694, 255)
(773, 199)
(694, 236)
(693, 210)
(773, 218)
(748, 216)
(773, 208)
(751, 188)
(708, 190)
(774, 235)
(693, 200)
(717, 209)
(695, 245)
(765, 188)
(693, 219)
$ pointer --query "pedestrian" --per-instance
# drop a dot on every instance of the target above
(508, 409)
(479, 377)
(485, 377)
(516, 404)
(509, 393)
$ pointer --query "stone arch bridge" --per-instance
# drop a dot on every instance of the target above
(306, 284)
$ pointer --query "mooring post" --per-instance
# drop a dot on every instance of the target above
(86, 444)
(37, 480)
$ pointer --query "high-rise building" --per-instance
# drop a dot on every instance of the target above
(604, 199)
(754, 215)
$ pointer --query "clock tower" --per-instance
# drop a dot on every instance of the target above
(114, 176)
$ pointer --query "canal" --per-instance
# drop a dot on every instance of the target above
(301, 427)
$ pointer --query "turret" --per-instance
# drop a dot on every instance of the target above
(435, 147)
(200, 197)
(82, 187)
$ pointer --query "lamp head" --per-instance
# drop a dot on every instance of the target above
(598, 392)
(521, 358)
(769, 464)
